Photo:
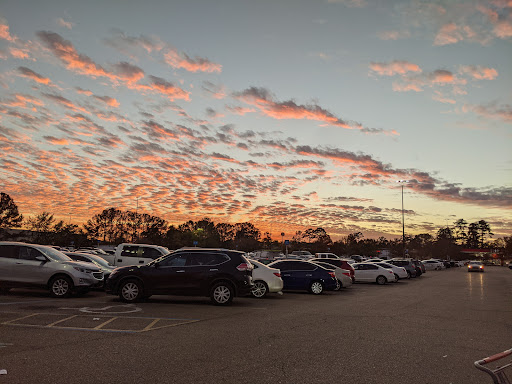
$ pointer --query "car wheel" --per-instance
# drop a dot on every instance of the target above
(396, 277)
(408, 274)
(61, 286)
(381, 280)
(339, 285)
(222, 294)
(260, 289)
(316, 288)
(130, 291)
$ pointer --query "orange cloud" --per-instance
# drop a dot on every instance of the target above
(480, 73)
(396, 67)
(4, 32)
(198, 64)
(18, 53)
(28, 73)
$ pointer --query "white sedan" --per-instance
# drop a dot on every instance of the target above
(432, 265)
(342, 275)
(265, 279)
(400, 272)
(373, 273)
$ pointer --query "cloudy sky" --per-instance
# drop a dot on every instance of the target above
(289, 114)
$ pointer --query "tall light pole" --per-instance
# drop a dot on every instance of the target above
(403, 217)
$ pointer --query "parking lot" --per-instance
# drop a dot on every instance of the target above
(425, 330)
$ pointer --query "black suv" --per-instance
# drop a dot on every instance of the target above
(220, 274)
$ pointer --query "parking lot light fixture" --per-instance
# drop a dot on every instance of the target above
(402, 182)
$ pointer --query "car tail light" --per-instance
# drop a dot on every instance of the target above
(277, 274)
(244, 267)
(347, 274)
(333, 275)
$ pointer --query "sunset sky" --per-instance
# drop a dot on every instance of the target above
(289, 114)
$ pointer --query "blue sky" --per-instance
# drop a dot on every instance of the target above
(288, 114)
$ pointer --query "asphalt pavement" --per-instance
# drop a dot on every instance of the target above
(425, 330)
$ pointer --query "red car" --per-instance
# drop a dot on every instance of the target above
(340, 263)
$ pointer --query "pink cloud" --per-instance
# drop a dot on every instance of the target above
(65, 24)
(448, 34)
(30, 74)
(18, 53)
(396, 67)
(4, 32)
(480, 73)
(198, 64)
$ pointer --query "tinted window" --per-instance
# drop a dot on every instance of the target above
(130, 251)
(28, 253)
(8, 251)
(150, 253)
(371, 266)
(175, 261)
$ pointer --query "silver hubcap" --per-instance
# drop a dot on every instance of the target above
(259, 289)
(60, 287)
(316, 288)
(221, 294)
(130, 291)
(381, 280)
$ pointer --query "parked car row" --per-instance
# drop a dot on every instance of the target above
(219, 274)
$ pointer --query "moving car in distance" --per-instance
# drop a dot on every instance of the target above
(475, 266)
(220, 274)
(266, 280)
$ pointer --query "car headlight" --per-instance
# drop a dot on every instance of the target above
(80, 269)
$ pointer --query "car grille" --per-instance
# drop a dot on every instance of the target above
(98, 275)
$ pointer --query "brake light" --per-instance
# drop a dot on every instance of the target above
(277, 274)
(244, 267)
(347, 274)
(333, 275)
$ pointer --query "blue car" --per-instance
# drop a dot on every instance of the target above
(304, 275)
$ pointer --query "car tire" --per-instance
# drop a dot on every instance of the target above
(222, 293)
(408, 274)
(260, 289)
(381, 280)
(396, 278)
(61, 286)
(339, 285)
(130, 291)
(316, 287)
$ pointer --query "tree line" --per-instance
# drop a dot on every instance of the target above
(114, 226)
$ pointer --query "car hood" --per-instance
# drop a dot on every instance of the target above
(80, 264)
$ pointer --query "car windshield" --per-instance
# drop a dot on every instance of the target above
(100, 261)
(385, 265)
(54, 254)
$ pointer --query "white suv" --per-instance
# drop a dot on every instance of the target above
(25, 265)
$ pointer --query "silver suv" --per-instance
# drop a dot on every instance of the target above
(25, 265)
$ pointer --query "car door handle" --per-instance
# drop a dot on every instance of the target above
(213, 270)
(180, 271)
(120, 260)
(309, 275)
(18, 262)
(141, 261)
(287, 275)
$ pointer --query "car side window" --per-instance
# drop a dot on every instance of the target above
(130, 251)
(214, 259)
(175, 261)
(28, 253)
(80, 258)
(150, 253)
(9, 251)
(370, 266)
